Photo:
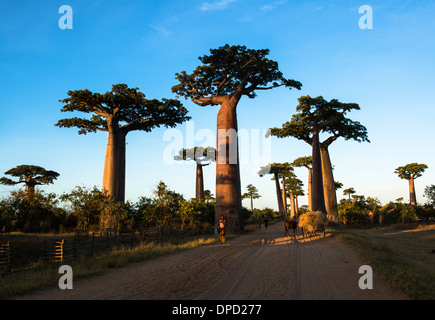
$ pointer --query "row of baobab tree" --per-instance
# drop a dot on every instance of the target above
(32, 176)
(223, 78)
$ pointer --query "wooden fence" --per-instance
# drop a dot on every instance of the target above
(81, 244)
(5, 258)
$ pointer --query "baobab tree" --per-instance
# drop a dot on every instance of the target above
(286, 172)
(119, 112)
(307, 163)
(316, 115)
(411, 172)
(225, 76)
(252, 193)
(349, 192)
(293, 187)
(209, 197)
(203, 157)
(31, 176)
(276, 169)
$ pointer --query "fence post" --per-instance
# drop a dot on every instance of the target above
(92, 244)
(74, 249)
(58, 251)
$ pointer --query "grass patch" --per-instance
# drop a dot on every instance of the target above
(401, 254)
(46, 275)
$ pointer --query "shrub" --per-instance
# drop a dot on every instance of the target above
(354, 212)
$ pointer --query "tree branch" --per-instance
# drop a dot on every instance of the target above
(328, 141)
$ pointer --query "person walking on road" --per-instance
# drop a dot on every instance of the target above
(266, 221)
(222, 228)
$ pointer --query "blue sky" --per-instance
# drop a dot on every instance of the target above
(388, 71)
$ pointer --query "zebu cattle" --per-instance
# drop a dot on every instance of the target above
(290, 225)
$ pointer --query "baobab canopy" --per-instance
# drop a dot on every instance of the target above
(231, 69)
(118, 112)
(30, 175)
(125, 107)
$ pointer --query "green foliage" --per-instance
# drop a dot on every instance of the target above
(93, 208)
(261, 213)
(122, 107)
(209, 197)
(201, 155)
(294, 186)
(429, 193)
(229, 69)
(37, 212)
(252, 192)
(349, 192)
(303, 162)
(365, 211)
(329, 117)
(354, 212)
(168, 208)
(411, 171)
(396, 213)
(282, 169)
(30, 175)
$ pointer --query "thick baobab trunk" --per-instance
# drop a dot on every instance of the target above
(293, 206)
(310, 191)
(317, 198)
(199, 183)
(114, 165)
(328, 185)
(296, 206)
(228, 188)
(284, 198)
(279, 196)
(412, 198)
(29, 190)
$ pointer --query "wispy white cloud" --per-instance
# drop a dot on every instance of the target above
(162, 31)
(273, 5)
(217, 5)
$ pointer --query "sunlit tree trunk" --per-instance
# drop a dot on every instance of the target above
(228, 188)
(29, 190)
(310, 189)
(412, 197)
(199, 183)
(114, 164)
(279, 196)
(284, 197)
(296, 206)
(293, 205)
(328, 185)
(317, 199)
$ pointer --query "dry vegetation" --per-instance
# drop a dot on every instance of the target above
(403, 254)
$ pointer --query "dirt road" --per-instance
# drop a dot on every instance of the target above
(261, 265)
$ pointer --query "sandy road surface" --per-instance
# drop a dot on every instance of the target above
(257, 266)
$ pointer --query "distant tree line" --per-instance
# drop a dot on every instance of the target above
(91, 209)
